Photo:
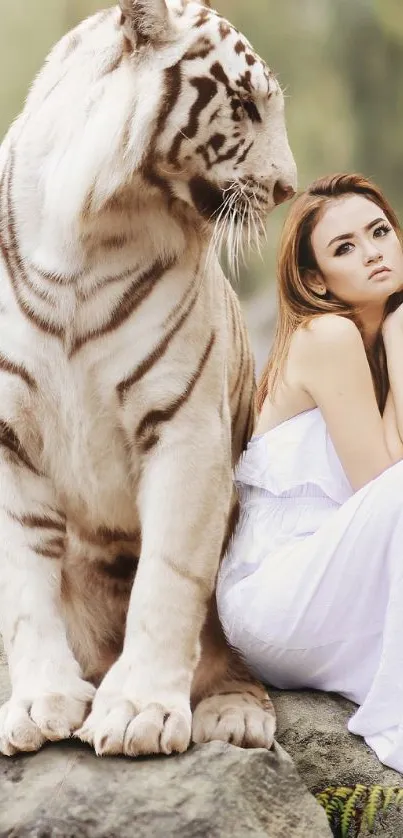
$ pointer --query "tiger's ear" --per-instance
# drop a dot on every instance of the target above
(145, 21)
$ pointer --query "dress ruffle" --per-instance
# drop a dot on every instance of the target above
(297, 458)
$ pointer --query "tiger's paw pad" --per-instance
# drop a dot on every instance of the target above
(115, 727)
(26, 724)
(236, 718)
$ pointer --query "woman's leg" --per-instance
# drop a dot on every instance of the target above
(327, 612)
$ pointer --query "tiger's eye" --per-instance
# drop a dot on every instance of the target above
(252, 111)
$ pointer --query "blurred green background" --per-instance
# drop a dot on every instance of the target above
(339, 61)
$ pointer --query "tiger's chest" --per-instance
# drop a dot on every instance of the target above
(83, 446)
(78, 425)
(120, 353)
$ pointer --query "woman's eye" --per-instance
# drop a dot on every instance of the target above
(382, 230)
(379, 232)
(343, 248)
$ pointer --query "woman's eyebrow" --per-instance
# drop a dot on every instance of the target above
(351, 235)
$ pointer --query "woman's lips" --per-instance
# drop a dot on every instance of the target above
(378, 271)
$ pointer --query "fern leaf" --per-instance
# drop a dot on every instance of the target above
(349, 807)
(334, 808)
(348, 818)
(324, 795)
(344, 792)
(389, 797)
(375, 803)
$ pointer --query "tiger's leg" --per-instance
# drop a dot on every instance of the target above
(228, 703)
(49, 698)
(143, 704)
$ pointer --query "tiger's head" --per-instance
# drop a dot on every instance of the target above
(219, 141)
(158, 98)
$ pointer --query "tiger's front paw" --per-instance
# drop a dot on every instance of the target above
(118, 725)
(27, 722)
(238, 718)
(136, 711)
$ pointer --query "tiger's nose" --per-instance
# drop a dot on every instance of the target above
(282, 192)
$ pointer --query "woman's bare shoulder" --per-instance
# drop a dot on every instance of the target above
(328, 347)
(325, 333)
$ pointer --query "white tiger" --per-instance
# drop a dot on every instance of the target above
(126, 378)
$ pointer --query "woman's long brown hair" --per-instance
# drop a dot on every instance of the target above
(297, 302)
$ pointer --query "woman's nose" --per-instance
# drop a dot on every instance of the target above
(372, 254)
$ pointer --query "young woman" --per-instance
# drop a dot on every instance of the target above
(311, 590)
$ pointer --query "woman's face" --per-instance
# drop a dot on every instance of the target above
(358, 252)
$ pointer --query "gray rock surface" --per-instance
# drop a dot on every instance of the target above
(312, 727)
(213, 791)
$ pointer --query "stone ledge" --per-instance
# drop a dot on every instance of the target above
(212, 791)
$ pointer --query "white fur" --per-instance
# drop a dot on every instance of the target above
(67, 156)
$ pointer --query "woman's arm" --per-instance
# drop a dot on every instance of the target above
(393, 339)
(333, 368)
(393, 439)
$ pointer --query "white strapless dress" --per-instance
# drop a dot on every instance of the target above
(311, 589)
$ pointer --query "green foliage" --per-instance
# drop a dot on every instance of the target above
(389, 13)
(354, 809)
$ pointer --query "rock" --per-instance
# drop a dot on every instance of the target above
(312, 727)
(213, 791)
